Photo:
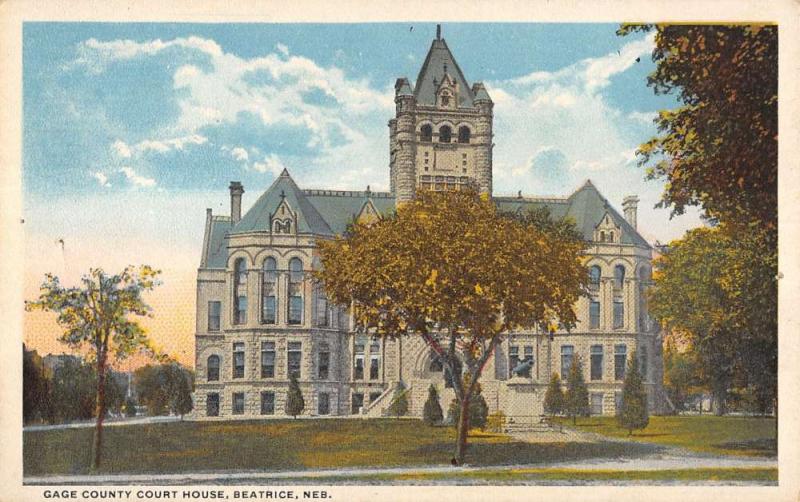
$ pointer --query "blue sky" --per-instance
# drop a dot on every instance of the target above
(131, 130)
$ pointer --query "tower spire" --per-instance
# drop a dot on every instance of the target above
(438, 32)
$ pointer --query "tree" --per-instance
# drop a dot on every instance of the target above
(182, 396)
(399, 405)
(451, 269)
(576, 399)
(35, 387)
(165, 387)
(682, 374)
(554, 397)
(96, 316)
(74, 394)
(714, 287)
(478, 412)
(295, 404)
(130, 407)
(719, 150)
(432, 411)
(634, 399)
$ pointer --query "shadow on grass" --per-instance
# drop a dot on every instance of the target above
(763, 447)
(649, 434)
(519, 452)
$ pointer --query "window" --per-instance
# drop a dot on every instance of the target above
(426, 133)
(240, 315)
(602, 236)
(358, 361)
(463, 134)
(596, 403)
(295, 291)
(529, 359)
(267, 402)
(566, 360)
(323, 403)
(374, 360)
(269, 281)
(594, 277)
(238, 403)
(596, 356)
(594, 314)
(357, 402)
(618, 402)
(282, 227)
(610, 236)
(323, 319)
(240, 269)
(643, 362)
(444, 134)
(212, 369)
(214, 311)
(619, 315)
(513, 359)
(212, 405)
(620, 359)
(324, 362)
(238, 360)
(619, 276)
(373, 396)
(294, 355)
(267, 359)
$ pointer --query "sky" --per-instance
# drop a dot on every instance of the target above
(131, 130)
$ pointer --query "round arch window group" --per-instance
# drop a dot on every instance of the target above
(445, 134)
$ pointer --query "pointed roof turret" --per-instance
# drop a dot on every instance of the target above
(438, 63)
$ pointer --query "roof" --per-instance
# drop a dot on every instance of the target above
(329, 212)
(439, 61)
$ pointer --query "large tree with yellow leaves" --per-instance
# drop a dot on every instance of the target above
(450, 268)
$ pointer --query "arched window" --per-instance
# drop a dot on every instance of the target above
(594, 276)
(463, 134)
(426, 133)
(295, 291)
(212, 369)
(619, 276)
(240, 292)
(269, 291)
(444, 134)
(602, 236)
(610, 236)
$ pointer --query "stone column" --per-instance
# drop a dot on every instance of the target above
(405, 146)
(483, 149)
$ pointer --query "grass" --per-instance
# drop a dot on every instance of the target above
(510, 476)
(751, 436)
(288, 445)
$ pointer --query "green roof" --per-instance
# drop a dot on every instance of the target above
(329, 212)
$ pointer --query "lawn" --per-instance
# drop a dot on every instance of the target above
(726, 435)
(566, 476)
(288, 445)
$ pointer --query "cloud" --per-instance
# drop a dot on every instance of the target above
(163, 146)
(121, 149)
(271, 164)
(643, 117)
(101, 178)
(135, 179)
(282, 91)
(240, 154)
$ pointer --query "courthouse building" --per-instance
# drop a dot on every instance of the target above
(260, 317)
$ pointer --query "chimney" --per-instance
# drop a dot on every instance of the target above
(236, 201)
(629, 207)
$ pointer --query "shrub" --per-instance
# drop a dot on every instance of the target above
(130, 407)
(554, 397)
(432, 411)
(399, 406)
(577, 397)
(634, 400)
(478, 412)
(295, 404)
(496, 421)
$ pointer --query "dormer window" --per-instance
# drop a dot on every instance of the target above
(445, 99)
(282, 226)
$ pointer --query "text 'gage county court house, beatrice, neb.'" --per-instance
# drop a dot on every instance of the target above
(260, 318)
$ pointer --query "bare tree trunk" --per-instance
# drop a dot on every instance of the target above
(463, 429)
(100, 410)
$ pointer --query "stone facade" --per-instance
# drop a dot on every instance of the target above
(260, 317)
